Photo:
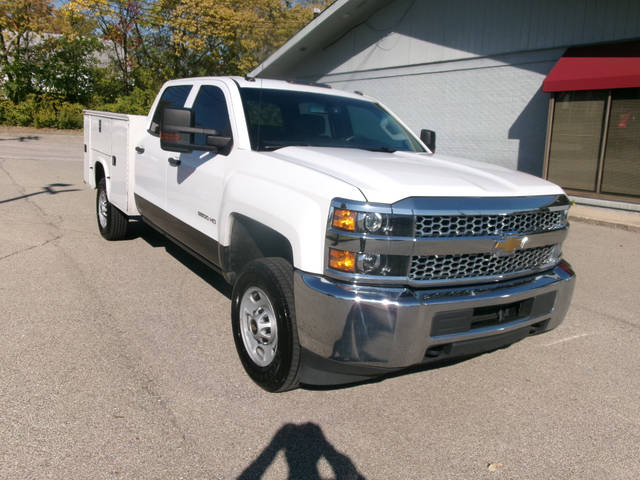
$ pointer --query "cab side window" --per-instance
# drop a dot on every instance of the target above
(211, 113)
(172, 97)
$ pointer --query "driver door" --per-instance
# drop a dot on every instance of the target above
(195, 180)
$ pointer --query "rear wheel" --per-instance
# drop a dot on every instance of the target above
(112, 223)
(264, 325)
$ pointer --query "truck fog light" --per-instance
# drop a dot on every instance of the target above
(367, 262)
(342, 260)
(372, 222)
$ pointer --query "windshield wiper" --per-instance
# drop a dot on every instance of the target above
(270, 147)
(381, 148)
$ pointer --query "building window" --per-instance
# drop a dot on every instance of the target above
(621, 172)
(595, 142)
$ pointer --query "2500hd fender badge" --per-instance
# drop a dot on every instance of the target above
(508, 246)
(206, 217)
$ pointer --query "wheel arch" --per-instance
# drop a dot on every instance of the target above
(100, 172)
(251, 240)
(300, 216)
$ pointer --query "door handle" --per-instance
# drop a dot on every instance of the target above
(174, 162)
(140, 149)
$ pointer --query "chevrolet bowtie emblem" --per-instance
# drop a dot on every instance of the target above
(508, 246)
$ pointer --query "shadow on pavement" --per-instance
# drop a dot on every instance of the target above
(137, 228)
(48, 190)
(303, 446)
(433, 365)
(21, 139)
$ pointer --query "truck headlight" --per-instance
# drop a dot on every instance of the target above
(367, 263)
(373, 223)
(357, 237)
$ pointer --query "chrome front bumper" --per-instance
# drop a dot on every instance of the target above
(364, 330)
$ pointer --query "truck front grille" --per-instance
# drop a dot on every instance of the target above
(447, 267)
(480, 225)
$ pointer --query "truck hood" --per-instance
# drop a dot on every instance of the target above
(390, 177)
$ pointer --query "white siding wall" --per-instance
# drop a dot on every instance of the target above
(471, 70)
(410, 32)
(488, 110)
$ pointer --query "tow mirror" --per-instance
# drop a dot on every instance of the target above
(173, 123)
(177, 133)
(428, 137)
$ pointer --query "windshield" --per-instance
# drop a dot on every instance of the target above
(282, 118)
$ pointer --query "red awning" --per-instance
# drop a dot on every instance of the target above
(596, 68)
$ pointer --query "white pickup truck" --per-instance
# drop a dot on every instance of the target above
(354, 251)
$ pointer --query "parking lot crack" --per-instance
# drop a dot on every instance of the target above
(32, 247)
(615, 318)
(108, 331)
(27, 196)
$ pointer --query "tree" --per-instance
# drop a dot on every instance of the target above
(22, 23)
(219, 37)
(43, 51)
(118, 22)
(66, 67)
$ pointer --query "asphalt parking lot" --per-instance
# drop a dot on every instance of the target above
(117, 361)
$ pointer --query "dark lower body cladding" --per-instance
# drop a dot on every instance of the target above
(350, 333)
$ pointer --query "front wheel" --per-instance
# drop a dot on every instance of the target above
(264, 324)
(112, 223)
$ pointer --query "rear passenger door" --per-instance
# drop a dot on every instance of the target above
(151, 160)
(195, 184)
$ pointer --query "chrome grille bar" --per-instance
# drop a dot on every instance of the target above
(481, 225)
(445, 267)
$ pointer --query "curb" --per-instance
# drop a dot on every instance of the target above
(605, 223)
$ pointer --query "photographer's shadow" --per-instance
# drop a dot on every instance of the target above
(303, 446)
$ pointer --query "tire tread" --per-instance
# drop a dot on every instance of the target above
(279, 272)
(117, 222)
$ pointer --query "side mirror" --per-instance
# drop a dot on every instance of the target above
(177, 133)
(428, 137)
(174, 126)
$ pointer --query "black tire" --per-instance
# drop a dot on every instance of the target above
(273, 277)
(112, 223)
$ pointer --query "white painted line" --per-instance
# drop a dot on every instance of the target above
(567, 339)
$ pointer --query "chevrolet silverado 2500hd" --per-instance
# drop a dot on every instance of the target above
(353, 249)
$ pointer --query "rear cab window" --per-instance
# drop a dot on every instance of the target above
(172, 97)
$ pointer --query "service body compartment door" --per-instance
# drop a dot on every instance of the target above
(87, 171)
(118, 160)
(109, 143)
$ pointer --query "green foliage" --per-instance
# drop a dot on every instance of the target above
(45, 116)
(118, 23)
(22, 24)
(19, 114)
(66, 67)
(137, 103)
(50, 68)
(41, 112)
(218, 37)
(70, 115)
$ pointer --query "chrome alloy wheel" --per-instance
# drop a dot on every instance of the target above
(103, 206)
(258, 326)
